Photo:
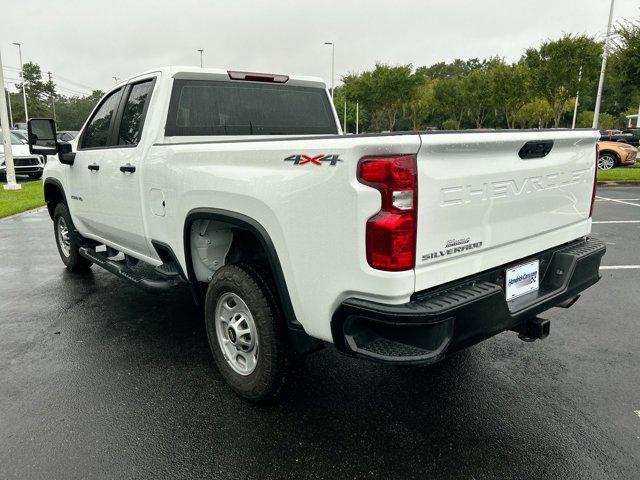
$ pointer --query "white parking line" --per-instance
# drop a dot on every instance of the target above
(625, 199)
(618, 221)
(618, 201)
(637, 412)
(619, 267)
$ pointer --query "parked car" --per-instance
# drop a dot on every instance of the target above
(616, 154)
(400, 248)
(20, 126)
(22, 135)
(24, 162)
(630, 136)
(67, 135)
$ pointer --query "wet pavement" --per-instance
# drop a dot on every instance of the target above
(101, 380)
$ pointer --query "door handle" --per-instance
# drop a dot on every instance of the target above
(128, 168)
(94, 167)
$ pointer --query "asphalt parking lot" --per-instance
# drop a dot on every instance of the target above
(101, 380)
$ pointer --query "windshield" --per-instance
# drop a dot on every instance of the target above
(15, 140)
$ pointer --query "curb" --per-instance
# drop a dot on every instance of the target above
(26, 212)
(611, 183)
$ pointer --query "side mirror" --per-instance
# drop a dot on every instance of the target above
(66, 154)
(42, 136)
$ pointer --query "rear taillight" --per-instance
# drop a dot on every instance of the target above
(595, 182)
(391, 233)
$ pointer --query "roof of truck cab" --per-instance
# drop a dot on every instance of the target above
(197, 73)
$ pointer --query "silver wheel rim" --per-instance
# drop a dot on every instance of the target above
(606, 162)
(63, 237)
(237, 333)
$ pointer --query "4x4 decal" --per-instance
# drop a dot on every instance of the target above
(333, 159)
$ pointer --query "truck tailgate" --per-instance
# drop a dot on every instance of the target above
(481, 205)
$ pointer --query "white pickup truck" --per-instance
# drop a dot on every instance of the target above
(400, 248)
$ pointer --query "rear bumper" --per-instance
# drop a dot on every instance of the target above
(448, 318)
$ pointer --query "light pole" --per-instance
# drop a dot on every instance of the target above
(344, 129)
(9, 105)
(24, 93)
(575, 107)
(357, 117)
(6, 139)
(53, 96)
(605, 51)
(201, 51)
(333, 63)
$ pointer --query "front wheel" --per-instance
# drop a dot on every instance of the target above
(67, 245)
(607, 161)
(247, 334)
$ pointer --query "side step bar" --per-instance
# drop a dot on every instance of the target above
(123, 271)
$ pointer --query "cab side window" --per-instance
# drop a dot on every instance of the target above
(134, 112)
(97, 133)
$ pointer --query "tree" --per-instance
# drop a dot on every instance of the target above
(554, 70)
(537, 113)
(457, 68)
(509, 90)
(626, 61)
(37, 92)
(451, 124)
(422, 104)
(395, 86)
(71, 112)
(451, 99)
(606, 121)
(382, 91)
(477, 91)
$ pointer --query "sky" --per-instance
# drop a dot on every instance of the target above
(85, 43)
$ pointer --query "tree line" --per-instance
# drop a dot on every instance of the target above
(537, 91)
(43, 100)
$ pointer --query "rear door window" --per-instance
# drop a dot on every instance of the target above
(98, 131)
(134, 112)
(201, 107)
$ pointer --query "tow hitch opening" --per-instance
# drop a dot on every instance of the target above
(534, 329)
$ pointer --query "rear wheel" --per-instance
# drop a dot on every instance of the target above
(247, 334)
(607, 161)
(65, 241)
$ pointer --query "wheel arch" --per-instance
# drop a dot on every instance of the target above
(260, 233)
(53, 194)
(615, 154)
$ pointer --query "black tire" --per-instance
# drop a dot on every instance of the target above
(276, 361)
(68, 252)
(35, 176)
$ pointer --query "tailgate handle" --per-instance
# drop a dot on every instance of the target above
(536, 149)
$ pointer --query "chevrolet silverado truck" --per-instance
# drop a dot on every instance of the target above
(400, 248)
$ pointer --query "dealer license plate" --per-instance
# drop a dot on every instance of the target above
(522, 279)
